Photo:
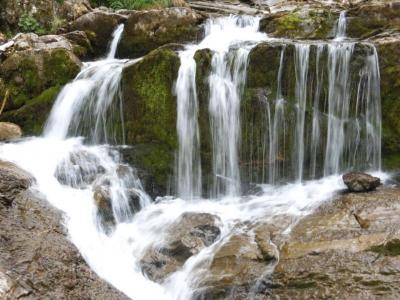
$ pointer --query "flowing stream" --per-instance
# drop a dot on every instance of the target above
(75, 167)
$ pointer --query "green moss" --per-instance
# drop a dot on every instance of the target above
(391, 248)
(314, 24)
(390, 91)
(26, 74)
(32, 117)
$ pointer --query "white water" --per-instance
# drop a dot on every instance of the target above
(226, 81)
(86, 107)
(117, 34)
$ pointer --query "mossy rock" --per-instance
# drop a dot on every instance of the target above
(26, 74)
(370, 19)
(389, 53)
(301, 24)
(32, 116)
(148, 30)
(150, 115)
(391, 248)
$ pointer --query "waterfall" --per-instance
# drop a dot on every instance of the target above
(189, 169)
(341, 26)
(339, 56)
(302, 55)
(227, 78)
(325, 122)
(117, 34)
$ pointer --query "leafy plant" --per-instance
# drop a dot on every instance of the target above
(133, 4)
(27, 23)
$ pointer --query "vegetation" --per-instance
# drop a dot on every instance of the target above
(27, 23)
(132, 4)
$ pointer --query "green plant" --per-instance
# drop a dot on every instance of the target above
(56, 24)
(27, 23)
(133, 4)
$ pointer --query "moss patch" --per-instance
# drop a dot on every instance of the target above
(391, 248)
(32, 117)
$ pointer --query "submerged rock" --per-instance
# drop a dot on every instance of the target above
(360, 182)
(9, 131)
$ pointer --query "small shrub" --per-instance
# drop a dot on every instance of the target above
(27, 23)
(133, 4)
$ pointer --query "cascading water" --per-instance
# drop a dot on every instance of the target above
(73, 176)
(231, 40)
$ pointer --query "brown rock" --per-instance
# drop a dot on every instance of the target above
(360, 182)
(9, 131)
(37, 260)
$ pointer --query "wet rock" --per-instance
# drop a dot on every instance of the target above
(13, 180)
(9, 131)
(150, 117)
(37, 259)
(102, 200)
(191, 233)
(148, 30)
(360, 182)
(80, 169)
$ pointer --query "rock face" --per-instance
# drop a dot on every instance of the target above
(147, 30)
(9, 131)
(38, 261)
(360, 182)
(33, 71)
(144, 30)
(150, 114)
(44, 11)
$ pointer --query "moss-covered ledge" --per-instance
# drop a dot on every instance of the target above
(150, 116)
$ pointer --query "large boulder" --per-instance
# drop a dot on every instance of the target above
(147, 30)
(9, 131)
(45, 12)
(360, 182)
